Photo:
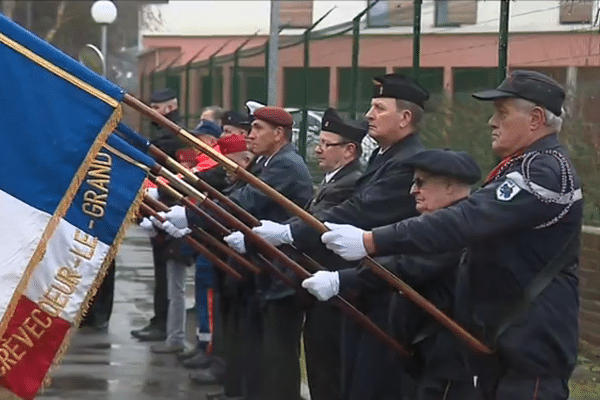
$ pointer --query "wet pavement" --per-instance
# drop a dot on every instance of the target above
(114, 365)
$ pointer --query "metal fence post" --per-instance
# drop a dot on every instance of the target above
(355, 49)
(417, 39)
(235, 81)
(188, 66)
(304, 121)
(503, 40)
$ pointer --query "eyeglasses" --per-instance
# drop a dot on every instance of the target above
(325, 145)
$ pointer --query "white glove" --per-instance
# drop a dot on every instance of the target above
(323, 284)
(236, 241)
(157, 223)
(274, 233)
(177, 217)
(345, 240)
(152, 192)
(174, 231)
(148, 227)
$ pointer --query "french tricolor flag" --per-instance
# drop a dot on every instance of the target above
(65, 195)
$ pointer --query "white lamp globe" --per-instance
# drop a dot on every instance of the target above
(104, 12)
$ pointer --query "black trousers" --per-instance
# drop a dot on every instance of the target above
(161, 301)
(513, 386)
(322, 347)
(280, 355)
(234, 343)
(371, 370)
(102, 304)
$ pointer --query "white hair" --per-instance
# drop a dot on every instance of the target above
(416, 111)
(553, 121)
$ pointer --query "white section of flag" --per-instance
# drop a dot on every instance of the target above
(21, 229)
(48, 279)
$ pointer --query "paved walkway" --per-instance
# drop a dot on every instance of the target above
(114, 365)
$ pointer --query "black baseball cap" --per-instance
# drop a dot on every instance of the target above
(446, 162)
(398, 86)
(529, 85)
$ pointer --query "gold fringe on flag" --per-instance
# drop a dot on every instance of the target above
(59, 213)
(87, 302)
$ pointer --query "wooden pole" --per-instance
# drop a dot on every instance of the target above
(310, 220)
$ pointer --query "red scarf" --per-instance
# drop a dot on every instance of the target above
(494, 173)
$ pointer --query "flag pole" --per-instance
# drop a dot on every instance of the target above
(391, 279)
(272, 251)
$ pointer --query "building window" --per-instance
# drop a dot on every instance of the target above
(576, 11)
(390, 13)
(318, 94)
(455, 12)
(296, 13)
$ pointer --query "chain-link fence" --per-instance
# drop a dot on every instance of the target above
(336, 66)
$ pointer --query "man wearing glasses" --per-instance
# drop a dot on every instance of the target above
(381, 194)
(338, 153)
(518, 284)
(441, 178)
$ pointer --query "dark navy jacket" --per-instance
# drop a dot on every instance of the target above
(337, 190)
(381, 195)
(506, 249)
(287, 173)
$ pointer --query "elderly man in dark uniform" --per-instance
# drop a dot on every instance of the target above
(441, 178)
(235, 123)
(517, 285)
(163, 101)
(381, 196)
(271, 304)
(338, 152)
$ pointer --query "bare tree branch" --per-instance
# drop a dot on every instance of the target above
(60, 12)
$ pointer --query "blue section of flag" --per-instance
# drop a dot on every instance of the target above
(104, 198)
(47, 124)
(133, 137)
(124, 147)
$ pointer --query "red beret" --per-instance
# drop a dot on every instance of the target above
(232, 144)
(275, 115)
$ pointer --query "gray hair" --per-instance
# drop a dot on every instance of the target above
(416, 111)
(553, 121)
(216, 111)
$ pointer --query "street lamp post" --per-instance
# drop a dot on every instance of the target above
(104, 13)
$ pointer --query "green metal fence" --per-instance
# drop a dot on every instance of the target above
(455, 121)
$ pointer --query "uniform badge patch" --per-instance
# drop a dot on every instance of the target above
(507, 190)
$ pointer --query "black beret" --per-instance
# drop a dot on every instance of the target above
(445, 162)
(529, 85)
(162, 95)
(349, 130)
(275, 115)
(236, 119)
(401, 87)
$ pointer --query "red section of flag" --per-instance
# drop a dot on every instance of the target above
(28, 347)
